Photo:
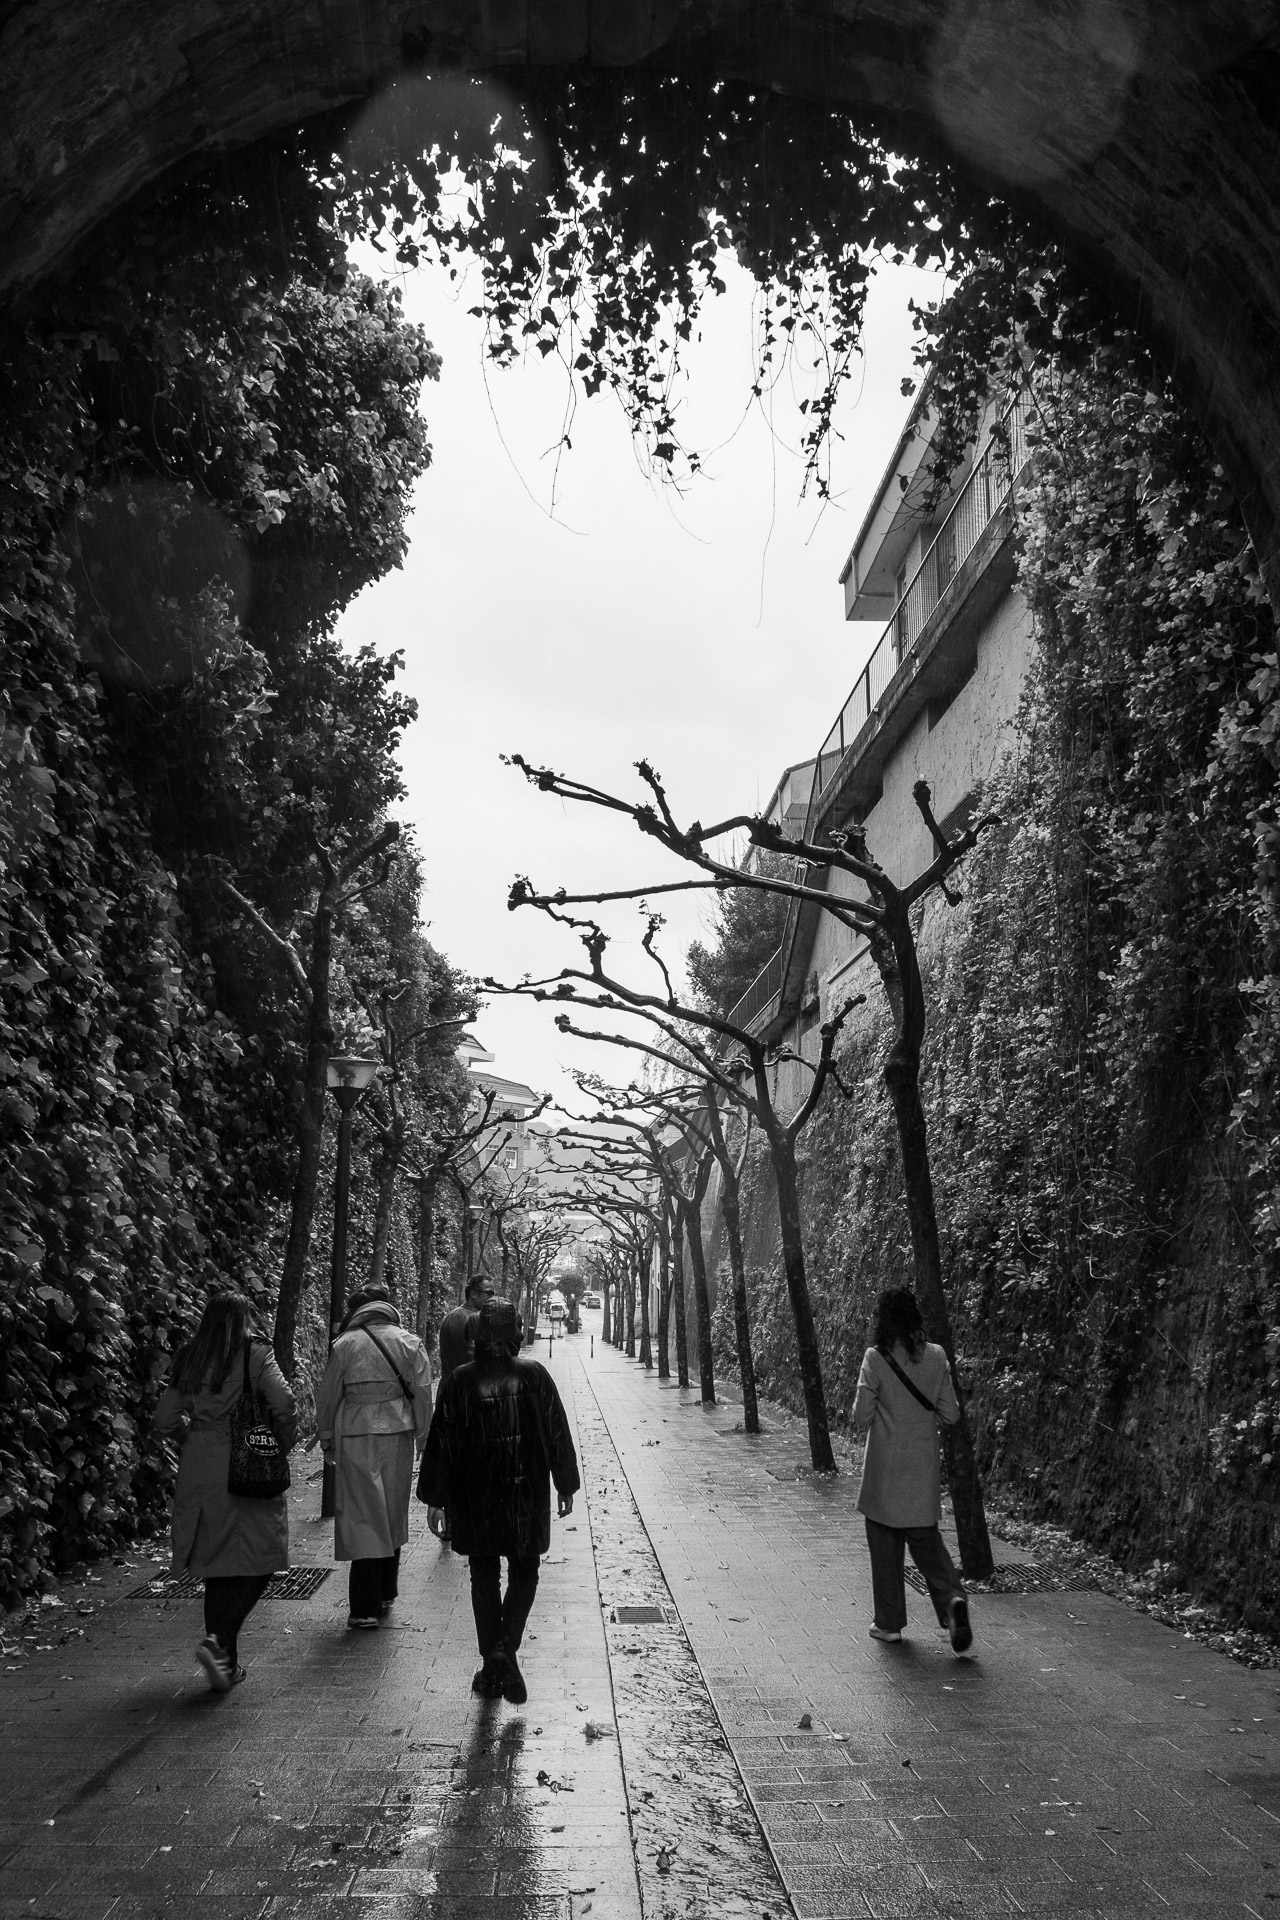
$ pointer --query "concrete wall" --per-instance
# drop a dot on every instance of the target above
(955, 755)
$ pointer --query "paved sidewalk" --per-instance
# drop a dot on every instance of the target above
(352, 1774)
(1087, 1761)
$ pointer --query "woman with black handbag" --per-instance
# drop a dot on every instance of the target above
(230, 1514)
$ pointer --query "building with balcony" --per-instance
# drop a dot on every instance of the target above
(934, 701)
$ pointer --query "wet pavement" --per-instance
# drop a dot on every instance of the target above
(709, 1729)
(1087, 1761)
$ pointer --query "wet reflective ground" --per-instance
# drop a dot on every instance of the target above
(352, 1774)
(699, 1847)
(709, 1730)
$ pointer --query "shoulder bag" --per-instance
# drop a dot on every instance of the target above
(259, 1466)
(405, 1388)
(910, 1385)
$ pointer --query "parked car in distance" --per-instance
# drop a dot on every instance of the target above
(591, 1299)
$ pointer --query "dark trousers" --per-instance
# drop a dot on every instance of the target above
(888, 1588)
(229, 1599)
(373, 1585)
(501, 1616)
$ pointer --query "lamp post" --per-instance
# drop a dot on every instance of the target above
(347, 1078)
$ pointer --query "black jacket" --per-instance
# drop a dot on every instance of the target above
(498, 1437)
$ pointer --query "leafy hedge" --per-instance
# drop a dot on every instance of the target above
(208, 447)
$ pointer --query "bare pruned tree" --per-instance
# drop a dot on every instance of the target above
(740, 1066)
(880, 912)
(680, 1128)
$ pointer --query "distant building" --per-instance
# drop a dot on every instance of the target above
(513, 1102)
(933, 701)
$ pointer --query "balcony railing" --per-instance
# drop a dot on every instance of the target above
(765, 987)
(983, 494)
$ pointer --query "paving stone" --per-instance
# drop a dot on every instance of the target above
(989, 1740)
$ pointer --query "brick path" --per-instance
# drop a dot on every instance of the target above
(352, 1775)
(1088, 1761)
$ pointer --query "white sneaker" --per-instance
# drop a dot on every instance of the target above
(884, 1633)
(363, 1620)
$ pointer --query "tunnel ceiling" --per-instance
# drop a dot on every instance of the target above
(1147, 129)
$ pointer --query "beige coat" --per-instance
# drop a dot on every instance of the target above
(216, 1533)
(365, 1424)
(901, 1474)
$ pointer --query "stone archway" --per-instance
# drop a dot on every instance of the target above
(1147, 129)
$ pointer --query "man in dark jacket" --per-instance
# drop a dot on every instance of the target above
(498, 1437)
(458, 1328)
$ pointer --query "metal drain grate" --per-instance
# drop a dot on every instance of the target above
(639, 1616)
(296, 1583)
(1030, 1576)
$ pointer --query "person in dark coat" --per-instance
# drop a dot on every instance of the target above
(457, 1341)
(498, 1438)
(458, 1328)
(233, 1544)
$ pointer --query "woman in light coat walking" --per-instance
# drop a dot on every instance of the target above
(904, 1390)
(373, 1405)
(233, 1544)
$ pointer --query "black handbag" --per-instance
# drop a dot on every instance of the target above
(259, 1466)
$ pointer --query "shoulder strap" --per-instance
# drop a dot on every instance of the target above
(910, 1385)
(405, 1388)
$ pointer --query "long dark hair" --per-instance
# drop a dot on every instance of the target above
(207, 1360)
(898, 1318)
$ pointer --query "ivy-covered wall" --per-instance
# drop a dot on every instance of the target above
(1100, 1069)
(206, 448)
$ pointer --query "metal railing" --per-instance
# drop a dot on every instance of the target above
(764, 988)
(980, 499)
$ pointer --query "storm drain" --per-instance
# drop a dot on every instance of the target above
(296, 1583)
(639, 1616)
(1030, 1576)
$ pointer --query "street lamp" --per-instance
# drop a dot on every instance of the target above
(347, 1078)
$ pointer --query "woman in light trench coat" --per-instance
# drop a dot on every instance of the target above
(904, 1390)
(372, 1411)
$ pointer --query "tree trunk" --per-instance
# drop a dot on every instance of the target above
(646, 1344)
(702, 1306)
(428, 1316)
(383, 1208)
(976, 1559)
(606, 1332)
(631, 1314)
(664, 1295)
(782, 1151)
(310, 1134)
(677, 1296)
(731, 1209)
(901, 975)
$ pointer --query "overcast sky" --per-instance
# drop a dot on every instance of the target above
(587, 617)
